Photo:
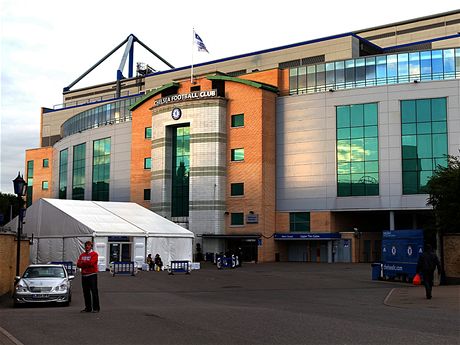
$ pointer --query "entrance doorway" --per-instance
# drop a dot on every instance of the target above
(120, 251)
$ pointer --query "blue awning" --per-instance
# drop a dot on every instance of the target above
(308, 236)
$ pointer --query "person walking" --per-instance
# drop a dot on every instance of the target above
(88, 264)
(427, 262)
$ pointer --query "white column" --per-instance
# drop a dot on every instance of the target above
(392, 220)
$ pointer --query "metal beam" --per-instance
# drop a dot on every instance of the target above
(128, 49)
(67, 88)
(151, 51)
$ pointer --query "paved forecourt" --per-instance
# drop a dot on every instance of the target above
(279, 303)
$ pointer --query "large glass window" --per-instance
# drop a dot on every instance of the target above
(30, 182)
(299, 221)
(101, 169)
(181, 171)
(103, 115)
(357, 150)
(63, 157)
(78, 172)
(376, 70)
(423, 141)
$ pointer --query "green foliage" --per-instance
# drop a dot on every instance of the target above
(6, 200)
(444, 190)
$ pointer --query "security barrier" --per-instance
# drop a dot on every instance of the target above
(68, 265)
(122, 267)
(226, 262)
(179, 266)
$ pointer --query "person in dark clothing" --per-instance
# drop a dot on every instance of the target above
(427, 262)
(158, 263)
(150, 262)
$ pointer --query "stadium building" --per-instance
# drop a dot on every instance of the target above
(304, 152)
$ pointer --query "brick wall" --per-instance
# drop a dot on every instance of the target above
(257, 171)
(452, 256)
(40, 173)
(140, 148)
(8, 249)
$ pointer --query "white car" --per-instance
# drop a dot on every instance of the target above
(43, 283)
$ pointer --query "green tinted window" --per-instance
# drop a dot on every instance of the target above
(237, 219)
(63, 156)
(357, 150)
(101, 169)
(237, 189)
(44, 185)
(343, 117)
(181, 172)
(30, 182)
(78, 172)
(148, 133)
(147, 163)
(423, 141)
(299, 221)
(238, 120)
(237, 155)
(46, 163)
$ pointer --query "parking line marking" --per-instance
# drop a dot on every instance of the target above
(10, 337)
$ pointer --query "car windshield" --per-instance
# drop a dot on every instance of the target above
(44, 272)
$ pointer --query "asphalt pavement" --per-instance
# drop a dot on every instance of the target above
(279, 303)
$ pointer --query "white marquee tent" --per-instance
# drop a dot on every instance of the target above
(60, 228)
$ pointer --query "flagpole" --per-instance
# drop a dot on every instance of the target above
(193, 46)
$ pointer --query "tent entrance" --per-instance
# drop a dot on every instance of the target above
(119, 251)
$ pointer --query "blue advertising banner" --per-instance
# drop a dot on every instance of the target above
(308, 236)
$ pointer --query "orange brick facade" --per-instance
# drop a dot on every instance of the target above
(41, 173)
(140, 149)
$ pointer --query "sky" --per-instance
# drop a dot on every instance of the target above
(45, 45)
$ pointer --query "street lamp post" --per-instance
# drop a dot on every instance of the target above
(20, 188)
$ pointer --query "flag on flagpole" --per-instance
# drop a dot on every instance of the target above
(199, 43)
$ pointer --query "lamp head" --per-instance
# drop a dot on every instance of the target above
(20, 186)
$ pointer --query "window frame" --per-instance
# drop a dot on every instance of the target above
(43, 185)
(232, 219)
(233, 154)
(236, 185)
(293, 223)
(147, 159)
(146, 130)
(233, 120)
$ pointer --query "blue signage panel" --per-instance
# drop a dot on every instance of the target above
(307, 236)
(400, 252)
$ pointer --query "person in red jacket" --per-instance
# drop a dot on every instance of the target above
(88, 264)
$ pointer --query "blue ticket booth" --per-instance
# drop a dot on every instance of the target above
(400, 252)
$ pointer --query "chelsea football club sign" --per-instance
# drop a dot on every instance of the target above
(186, 96)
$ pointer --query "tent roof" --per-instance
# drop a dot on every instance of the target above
(54, 217)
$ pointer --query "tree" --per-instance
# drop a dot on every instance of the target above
(6, 201)
(444, 190)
